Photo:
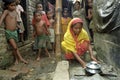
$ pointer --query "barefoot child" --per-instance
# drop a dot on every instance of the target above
(41, 32)
(20, 9)
(39, 7)
(9, 16)
(76, 41)
(51, 29)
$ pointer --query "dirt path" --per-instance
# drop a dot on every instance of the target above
(35, 70)
(45, 68)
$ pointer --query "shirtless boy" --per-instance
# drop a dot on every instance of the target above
(41, 32)
(9, 18)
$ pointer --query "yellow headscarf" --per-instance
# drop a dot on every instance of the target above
(69, 42)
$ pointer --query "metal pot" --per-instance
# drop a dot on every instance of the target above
(95, 68)
(92, 68)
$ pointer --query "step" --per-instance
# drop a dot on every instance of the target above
(61, 72)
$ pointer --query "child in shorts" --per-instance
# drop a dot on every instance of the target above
(9, 16)
(41, 32)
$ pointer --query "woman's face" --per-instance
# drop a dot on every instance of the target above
(77, 5)
(77, 28)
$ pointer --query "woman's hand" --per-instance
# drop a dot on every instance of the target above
(94, 59)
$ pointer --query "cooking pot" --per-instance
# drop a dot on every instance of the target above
(95, 68)
(92, 68)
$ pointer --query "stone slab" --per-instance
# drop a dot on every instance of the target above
(61, 72)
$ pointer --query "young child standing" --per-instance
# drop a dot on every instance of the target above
(41, 32)
(20, 9)
(76, 42)
(65, 20)
(39, 8)
(89, 18)
(51, 28)
(9, 16)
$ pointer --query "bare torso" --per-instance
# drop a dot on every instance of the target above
(10, 20)
(40, 28)
(51, 23)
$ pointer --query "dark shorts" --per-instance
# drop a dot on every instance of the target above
(41, 41)
(11, 35)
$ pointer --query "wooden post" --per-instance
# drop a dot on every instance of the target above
(58, 29)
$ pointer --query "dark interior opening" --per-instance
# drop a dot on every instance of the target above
(24, 18)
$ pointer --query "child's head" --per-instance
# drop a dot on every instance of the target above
(18, 2)
(65, 12)
(90, 3)
(37, 15)
(9, 4)
(77, 5)
(50, 14)
(39, 7)
(76, 26)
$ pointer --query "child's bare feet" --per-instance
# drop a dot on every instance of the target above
(24, 61)
(16, 62)
(49, 55)
(22, 42)
(38, 58)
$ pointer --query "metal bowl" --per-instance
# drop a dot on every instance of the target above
(93, 71)
(93, 65)
(92, 68)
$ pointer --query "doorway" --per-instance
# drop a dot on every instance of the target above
(24, 18)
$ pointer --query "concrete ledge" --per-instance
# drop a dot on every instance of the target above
(61, 72)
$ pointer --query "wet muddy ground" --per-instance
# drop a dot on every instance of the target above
(45, 68)
(76, 69)
(36, 70)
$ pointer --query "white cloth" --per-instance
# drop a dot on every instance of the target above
(52, 35)
(76, 0)
(19, 9)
